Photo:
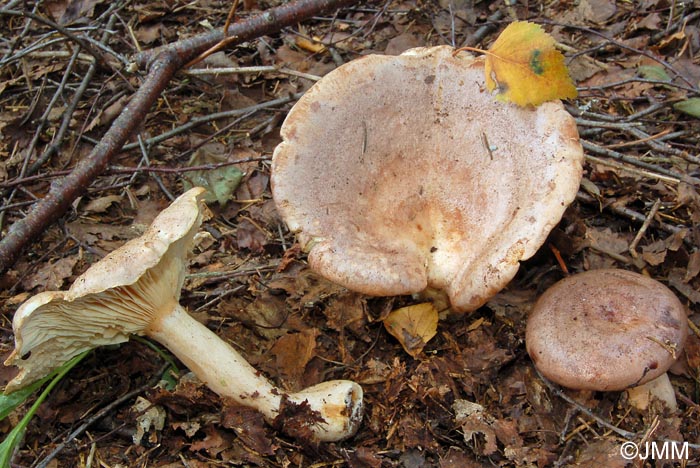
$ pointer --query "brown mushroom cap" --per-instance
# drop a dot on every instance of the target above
(606, 330)
(403, 172)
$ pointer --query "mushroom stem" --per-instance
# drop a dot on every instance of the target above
(226, 372)
(661, 388)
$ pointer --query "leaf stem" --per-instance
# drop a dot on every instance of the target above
(490, 54)
(470, 49)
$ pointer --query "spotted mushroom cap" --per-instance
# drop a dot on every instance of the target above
(116, 297)
(403, 172)
(605, 330)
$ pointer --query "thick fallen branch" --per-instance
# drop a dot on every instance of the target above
(163, 63)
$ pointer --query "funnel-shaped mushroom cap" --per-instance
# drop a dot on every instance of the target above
(403, 172)
(118, 296)
(606, 330)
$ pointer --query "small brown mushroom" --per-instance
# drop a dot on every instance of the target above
(399, 173)
(607, 330)
(136, 290)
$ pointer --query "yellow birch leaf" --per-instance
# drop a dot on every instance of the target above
(526, 68)
(413, 326)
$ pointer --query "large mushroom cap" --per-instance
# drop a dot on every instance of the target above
(606, 330)
(116, 297)
(403, 172)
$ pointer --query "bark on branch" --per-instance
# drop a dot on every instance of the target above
(162, 63)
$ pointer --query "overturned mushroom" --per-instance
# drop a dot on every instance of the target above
(608, 330)
(399, 173)
(136, 290)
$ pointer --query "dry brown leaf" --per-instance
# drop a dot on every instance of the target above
(693, 268)
(475, 425)
(250, 428)
(413, 326)
(654, 253)
(675, 279)
(402, 43)
(291, 58)
(102, 204)
(251, 237)
(107, 115)
(148, 33)
(68, 12)
(103, 236)
(603, 452)
(363, 457)
(346, 310)
(373, 372)
(456, 458)
(292, 353)
(190, 428)
(215, 441)
(51, 276)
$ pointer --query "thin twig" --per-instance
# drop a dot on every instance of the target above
(656, 146)
(642, 230)
(632, 170)
(128, 170)
(181, 170)
(615, 84)
(44, 119)
(72, 106)
(223, 43)
(26, 169)
(627, 213)
(251, 70)
(78, 40)
(268, 21)
(196, 121)
(593, 148)
(640, 140)
(159, 181)
(624, 46)
(611, 125)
